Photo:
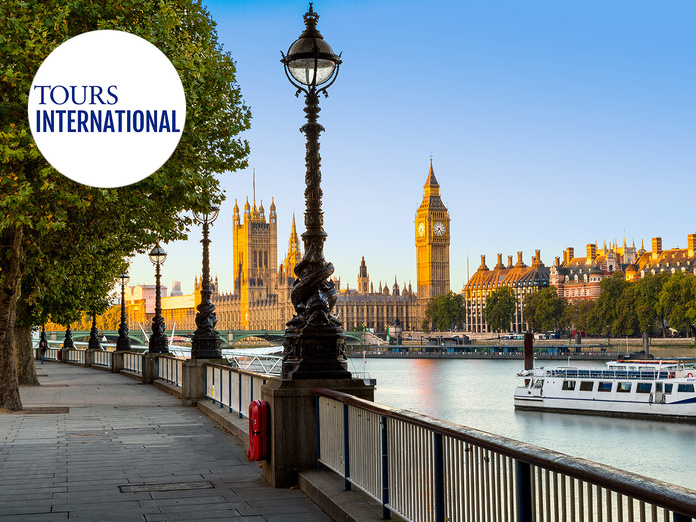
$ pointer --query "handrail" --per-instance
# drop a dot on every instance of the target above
(657, 492)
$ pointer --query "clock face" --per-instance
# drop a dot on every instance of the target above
(421, 229)
(439, 229)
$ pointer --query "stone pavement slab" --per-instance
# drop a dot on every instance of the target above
(117, 434)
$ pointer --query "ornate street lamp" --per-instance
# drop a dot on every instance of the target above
(123, 343)
(206, 341)
(314, 345)
(94, 343)
(68, 341)
(158, 341)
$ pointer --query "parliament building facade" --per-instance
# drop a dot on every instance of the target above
(261, 299)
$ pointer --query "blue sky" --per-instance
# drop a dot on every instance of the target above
(551, 124)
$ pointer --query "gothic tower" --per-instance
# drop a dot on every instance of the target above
(255, 255)
(432, 243)
(363, 278)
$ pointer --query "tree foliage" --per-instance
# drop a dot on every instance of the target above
(543, 310)
(500, 308)
(576, 314)
(647, 302)
(445, 311)
(63, 242)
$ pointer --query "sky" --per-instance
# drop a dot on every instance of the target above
(550, 124)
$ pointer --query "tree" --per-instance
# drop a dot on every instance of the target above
(576, 314)
(543, 310)
(608, 316)
(678, 301)
(41, 211)
(647, 297)
(445, 311)
(500, 308)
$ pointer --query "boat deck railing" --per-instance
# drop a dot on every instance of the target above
(609, 374)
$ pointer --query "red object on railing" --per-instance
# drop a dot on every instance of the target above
(60, 355)
(258, 430)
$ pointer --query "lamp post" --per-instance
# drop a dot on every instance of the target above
(94, 343)
(314, 345)
(123, 342)
(68, 341)
(206, 340)
(158, 341)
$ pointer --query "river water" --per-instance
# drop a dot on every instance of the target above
(479, 394)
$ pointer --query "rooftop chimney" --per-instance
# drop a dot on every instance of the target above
(500, 264)
(509, 262)
(656, 247)
(591, 251)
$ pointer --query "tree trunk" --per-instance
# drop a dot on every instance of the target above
(11, 267)
(26, 367)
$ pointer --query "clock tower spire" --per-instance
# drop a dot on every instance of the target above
(432, 243)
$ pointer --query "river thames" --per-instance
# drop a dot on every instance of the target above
(479, 394)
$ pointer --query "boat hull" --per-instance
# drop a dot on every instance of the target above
(663, 395)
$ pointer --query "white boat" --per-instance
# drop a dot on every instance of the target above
(660, 389)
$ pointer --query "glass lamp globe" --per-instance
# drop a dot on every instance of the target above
(157, 255)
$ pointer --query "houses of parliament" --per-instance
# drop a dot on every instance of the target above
(262, 286)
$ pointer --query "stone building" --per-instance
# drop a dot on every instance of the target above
(261, 299)
(581, 277)
(432, 224)
(521, 278)
(363, 307)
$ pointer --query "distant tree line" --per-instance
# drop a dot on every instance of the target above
(648, 306)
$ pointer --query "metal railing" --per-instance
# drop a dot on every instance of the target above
(233, 388)
(102, 359)
(269, 364)
(425, 469)
(170, 369)
(133, 362)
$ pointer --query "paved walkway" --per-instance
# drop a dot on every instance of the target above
(128, 451)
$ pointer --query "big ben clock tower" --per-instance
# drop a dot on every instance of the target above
(432, 244)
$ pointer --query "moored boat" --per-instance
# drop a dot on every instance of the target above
(660, 389)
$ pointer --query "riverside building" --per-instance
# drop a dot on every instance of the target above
(261, 299)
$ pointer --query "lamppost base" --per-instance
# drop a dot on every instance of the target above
(314, 353)
(158, 344)
(123, 344)
(206, 347)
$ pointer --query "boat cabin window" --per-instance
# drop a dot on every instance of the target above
(623, 387)
(539, 383)
(689, 388)
(605, 386)
(586, 385)
(568, 385)
(646, 387)
(668, 388)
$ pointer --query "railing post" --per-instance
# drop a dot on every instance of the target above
(240, 396)
(229, 390)
(316, 403)
(439, 479)
(524, 492)
(386, 513)
(212, 388)
(222, 404)
(346, 448)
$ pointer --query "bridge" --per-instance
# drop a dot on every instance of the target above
(276, 336)
(229, 337)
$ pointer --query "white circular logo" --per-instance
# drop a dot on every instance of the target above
(107, 108)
